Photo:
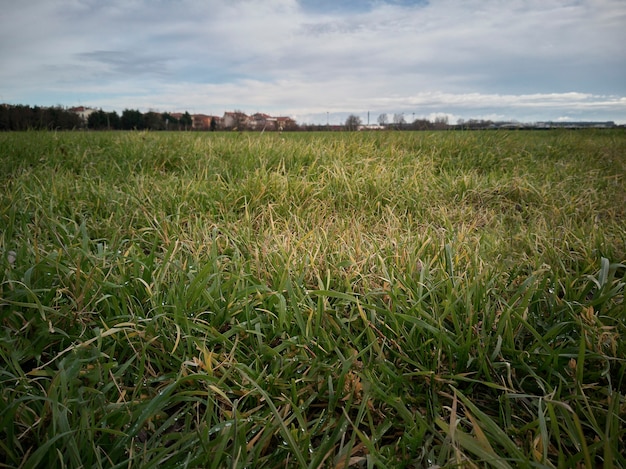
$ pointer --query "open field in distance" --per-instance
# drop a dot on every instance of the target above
(398, 299)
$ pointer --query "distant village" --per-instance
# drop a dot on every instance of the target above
(236, 120)
(23, 117)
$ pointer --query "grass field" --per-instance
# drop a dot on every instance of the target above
(393, 299)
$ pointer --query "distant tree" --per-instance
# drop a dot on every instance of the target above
(114, 121)
(101, 120)
(98, 120)
(153, 121)
(169, 121)
(5, 117)
(352, 122)
(213, 125)
(383, 119)
(474, 124)
(20, 117)
(398, 120)
(421, 124)
(71, 120)
(441, 122)
(132, 120)
(57, 118)
(186, 121)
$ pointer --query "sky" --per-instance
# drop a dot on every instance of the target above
(318, 61)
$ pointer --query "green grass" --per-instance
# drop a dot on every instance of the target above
(339, 300)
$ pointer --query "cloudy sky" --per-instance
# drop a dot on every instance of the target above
(315, 60)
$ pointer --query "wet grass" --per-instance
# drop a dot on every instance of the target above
(384, 299)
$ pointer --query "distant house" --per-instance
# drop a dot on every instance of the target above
(261, 121)
(238, 120)
(575, 125)
(83, 112)
(203, 121)
(286, 123)
(235, 120)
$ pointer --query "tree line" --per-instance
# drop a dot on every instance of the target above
(24, 117)
(132, 119)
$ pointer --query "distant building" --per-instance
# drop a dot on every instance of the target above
(235, 120)
(286, 123)
(82, 112)
(261, 121)
(371, 127)
(575, 125)
(202, 121)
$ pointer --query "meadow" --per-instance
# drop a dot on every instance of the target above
(391, 299)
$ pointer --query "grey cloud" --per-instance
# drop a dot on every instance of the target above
(332, 28)
(127, 62)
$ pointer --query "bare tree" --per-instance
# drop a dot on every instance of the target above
(353, 122)
(399, 119)
(383, 119)
(441, 122)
